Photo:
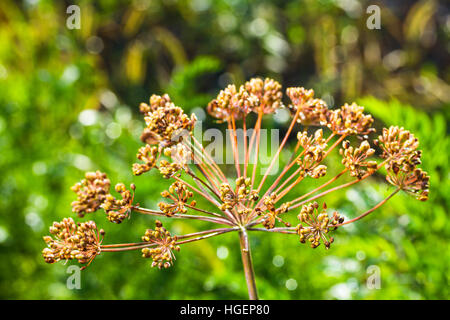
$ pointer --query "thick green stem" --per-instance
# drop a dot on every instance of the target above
(248, 265)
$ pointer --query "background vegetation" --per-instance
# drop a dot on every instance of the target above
(68, 103)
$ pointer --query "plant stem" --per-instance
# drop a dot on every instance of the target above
(247, 264)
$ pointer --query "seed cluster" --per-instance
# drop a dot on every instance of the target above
(415, 182)
(230, 199)
(167, 151)
(91, 192)
(354, 159)
(162, 254)
(349, 119)
(314, 151)
(167, 125)
(400, 151)
(119, 209)
(72, 241)
(168, 169)
(156, 102)
(165, 122)
(180, 195)
(271, 214)
(315, 226)
(400, 148)
(232, 103)
(268, 93)
(311, 111)
(147, 154)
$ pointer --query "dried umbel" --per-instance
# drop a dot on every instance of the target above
(399, 148)
(314, 225)
(415, 182)
(166, 125)
(155, 103)
(349, 119)
(91, 192)
(162, 254)
(119, 209)
(179, 194)
(72, 241)
(355, 159)
(268, 93)
(271, 214)
(232, 103)
(148, 155)
(311, 111)
(314, 148)
(245, 199)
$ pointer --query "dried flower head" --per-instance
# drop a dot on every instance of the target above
(168, 169)
(119, 209)
(167, 124)
(162, 254)
(268, 93)
(243, 200)
(156, 102)
(348, 120)
(91, 192)
(314, 151)
(179, 154)
(232, 103)
(180, 195)
(243, 194)
(311, 111)
(72, 241)
(315, 226)
(354, 159)
(272, 214)
(147, 154)
(227, 196)
(414, 182)
(399, 148)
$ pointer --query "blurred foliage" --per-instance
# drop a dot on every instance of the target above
(68, 103)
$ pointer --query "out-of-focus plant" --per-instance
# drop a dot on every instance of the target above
(241, 201)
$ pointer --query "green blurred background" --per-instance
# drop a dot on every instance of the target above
(69, 103)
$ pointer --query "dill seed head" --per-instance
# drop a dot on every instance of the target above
(72, 241)
(91, 193)
(314, 226)
(119, 209)
(241, 201)
(354, 159)
(162, 253)
(271, 214)
(179, 194)
(400, 148)
(268, 93)
(311, 111)
(232, 103)
(167, 123)
(414, 182)
(314, 151)
(349, 120)
(148, 155)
